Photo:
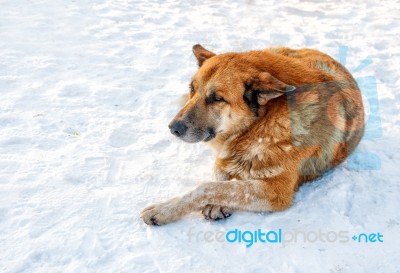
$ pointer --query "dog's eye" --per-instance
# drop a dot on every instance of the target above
(191, 90)
(214, 99)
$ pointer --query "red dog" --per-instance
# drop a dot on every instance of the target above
(275, 118)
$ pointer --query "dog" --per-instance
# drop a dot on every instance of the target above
(275, 118)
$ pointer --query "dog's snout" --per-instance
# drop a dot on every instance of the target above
(178, 128)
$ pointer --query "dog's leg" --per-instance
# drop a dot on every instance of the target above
(217, 212)
(220, 175)
(272, 194)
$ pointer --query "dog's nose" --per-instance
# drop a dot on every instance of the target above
(178, 128)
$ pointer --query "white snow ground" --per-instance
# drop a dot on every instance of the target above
(87, 90)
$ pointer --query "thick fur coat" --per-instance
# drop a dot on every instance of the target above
(275, 118)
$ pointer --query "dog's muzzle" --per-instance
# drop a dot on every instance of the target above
(178, 128)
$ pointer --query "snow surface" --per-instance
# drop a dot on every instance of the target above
(87, 90)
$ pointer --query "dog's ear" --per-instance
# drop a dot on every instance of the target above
(264, 87)
(201, 54)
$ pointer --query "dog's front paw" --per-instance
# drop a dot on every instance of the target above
(160, 214)
(214, 212)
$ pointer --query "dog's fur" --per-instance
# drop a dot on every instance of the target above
(275, 118)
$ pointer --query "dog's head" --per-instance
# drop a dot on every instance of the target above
(226, 94)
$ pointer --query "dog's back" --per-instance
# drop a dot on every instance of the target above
(328, 116)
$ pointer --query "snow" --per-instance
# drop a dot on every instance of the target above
(87, 90)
